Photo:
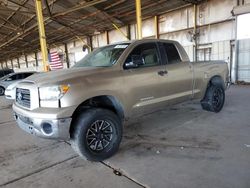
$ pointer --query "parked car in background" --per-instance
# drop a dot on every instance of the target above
(5, 72)
(10, 91)
(12, 78)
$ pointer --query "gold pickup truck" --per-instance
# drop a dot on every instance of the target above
(88, 103)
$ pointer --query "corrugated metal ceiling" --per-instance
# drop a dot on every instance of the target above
(66, 19)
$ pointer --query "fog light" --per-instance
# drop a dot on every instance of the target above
(47, 128)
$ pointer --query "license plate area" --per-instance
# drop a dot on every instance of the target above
(25, 123)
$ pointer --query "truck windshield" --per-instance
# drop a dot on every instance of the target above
(103, 57)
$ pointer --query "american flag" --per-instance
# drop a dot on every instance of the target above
(54, 61)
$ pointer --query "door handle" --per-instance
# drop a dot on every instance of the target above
(162, 73)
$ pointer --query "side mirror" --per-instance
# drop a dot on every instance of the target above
(136, 61)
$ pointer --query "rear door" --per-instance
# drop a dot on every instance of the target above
(179, 75)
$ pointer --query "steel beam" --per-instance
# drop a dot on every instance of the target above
(42, 34)
(79, 7)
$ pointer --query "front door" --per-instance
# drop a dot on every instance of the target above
(144, 82)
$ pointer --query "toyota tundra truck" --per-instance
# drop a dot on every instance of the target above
(88, 103)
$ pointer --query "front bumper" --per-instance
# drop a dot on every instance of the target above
(50, 128)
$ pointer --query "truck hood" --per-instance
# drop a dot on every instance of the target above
(59, 76)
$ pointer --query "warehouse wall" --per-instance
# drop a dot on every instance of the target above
(216, 28)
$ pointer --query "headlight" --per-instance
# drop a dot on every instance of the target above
(53, 93)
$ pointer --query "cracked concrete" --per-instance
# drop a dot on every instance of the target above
(182, 146)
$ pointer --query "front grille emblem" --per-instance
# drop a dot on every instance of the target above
(23, 97)
(19, 96)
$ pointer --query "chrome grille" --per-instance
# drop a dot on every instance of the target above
(23, 97)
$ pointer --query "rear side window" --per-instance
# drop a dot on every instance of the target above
(17, 76)
(13, 77)
(25, 75)
(172, 53)
(8, 72)
(5, 72)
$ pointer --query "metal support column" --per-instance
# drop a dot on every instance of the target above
(66, 54)
(26, 61)
(195, 32)
(128, 32)
(42, 36)
(156, 27)
(138, 19)
(11, 64)
(36, 59)
(90, 43)
(1, 65)
(18, 63)
(234, 69)
(6, 64)
(107, 36)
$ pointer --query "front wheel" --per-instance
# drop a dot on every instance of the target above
(96, 134)
(2, 91)
(214, 99)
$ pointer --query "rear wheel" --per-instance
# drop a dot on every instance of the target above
(96, 134)
(214, 98)
(2, 91)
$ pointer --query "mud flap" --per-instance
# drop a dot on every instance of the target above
(206, 105)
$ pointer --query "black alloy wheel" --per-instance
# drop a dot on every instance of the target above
(96, 134)
(99, 135)
(2, 90)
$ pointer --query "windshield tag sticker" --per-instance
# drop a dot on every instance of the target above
(121, 46)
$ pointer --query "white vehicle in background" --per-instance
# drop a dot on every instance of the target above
(10, 91)
(11, 79)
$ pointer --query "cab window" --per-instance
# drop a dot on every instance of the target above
(15, 77)
(144, 55)
(171, 53)
(25, 75)
(12, 78)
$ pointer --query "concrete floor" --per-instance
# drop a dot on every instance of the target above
(182, 146)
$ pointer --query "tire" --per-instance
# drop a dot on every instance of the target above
(96, 134)
(214, 99)
(1, 91)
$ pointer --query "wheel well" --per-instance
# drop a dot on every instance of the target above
(216, 80)
(104, 101)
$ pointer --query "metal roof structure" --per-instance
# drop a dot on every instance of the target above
(66, 19)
